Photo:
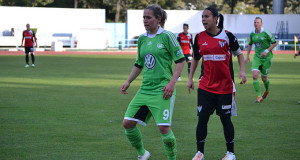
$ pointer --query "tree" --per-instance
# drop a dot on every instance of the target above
(231, 4)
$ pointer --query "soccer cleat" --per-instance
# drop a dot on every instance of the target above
(26, 66)
(229, 156)
(32, 65)
(265, 95)
(179, 79)
(259, 99)
(199, 156)
(145, 156)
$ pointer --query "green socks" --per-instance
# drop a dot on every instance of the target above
(267, 84)
(256, 86)
(170, 145)
(135, 138)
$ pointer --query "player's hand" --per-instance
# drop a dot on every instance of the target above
(169, 89)
(243, 76)
(124, 87)
(247, 59)
(190, 84)
(263, 54)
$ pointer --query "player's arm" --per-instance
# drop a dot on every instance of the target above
(273, 42)
(236, 51)
(169, 88)
(136, 70)
(22, 39)
(191, 43)
(195, 61)
(35, 39)
(248, 53)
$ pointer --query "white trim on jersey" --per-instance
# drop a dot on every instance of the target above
(136, 120)
(237, 52)
(261, 30)
(159, 31)
(163, 124)
(173, 39)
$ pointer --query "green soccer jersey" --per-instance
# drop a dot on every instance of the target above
(155, 55)
(262, 41)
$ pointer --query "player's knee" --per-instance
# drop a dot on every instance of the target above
(127, 124)
(164, 129)
(264, 78)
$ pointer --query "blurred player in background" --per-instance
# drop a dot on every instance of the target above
(30, 40)
(296, 54)
(264, 43)
(185, 40)
(216, 84)
(157, 49)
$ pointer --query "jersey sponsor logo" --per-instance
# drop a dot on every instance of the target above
(226, 106)
(150, 61)
(179, 52)
(160, 46)
(222, 43)
(258, 45)
(150, 43)
(204, 44)
(218, 57)
(184, 41)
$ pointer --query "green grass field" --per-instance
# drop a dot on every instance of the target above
(69, 107)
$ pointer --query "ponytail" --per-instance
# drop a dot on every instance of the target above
(221, 21)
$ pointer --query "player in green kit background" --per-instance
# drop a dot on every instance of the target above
(264, 42)
(157, 50)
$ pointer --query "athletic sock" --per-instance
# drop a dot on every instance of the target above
(170, 145)
(135, 138)
(201, 132)
(189, 68)
(267, 84)
(256, 86)
(27, 59)
(228, 132)
(32, 58)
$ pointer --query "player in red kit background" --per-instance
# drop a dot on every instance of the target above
(30, 40)
(185, 40)
(216, 84)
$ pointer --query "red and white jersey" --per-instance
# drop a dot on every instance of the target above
(185, 41)
(29, 35)
(216, 52)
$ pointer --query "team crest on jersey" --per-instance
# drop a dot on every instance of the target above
(160, 46)
(262, 38)
(150, 43)
(179, 52)
(222, 43)
(150, 61)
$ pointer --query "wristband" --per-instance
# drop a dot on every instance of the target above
(267, 51)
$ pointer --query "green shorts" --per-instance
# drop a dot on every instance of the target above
(262, 65)
(143, 106)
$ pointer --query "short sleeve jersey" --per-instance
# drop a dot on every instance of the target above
(262, 41)
(155, 55)
(29, 35)
(216, 51)
(185, 41)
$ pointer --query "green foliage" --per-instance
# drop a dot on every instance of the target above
(69, 107)
(224, 6)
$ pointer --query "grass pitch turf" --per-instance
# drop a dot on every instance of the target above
(69, 107)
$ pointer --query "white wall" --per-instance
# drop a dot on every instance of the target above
(80, 22)
(240, 24)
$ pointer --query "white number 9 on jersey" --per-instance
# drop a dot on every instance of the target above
(166, 114)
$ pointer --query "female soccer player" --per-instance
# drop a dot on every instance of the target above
(185, 40)
(157, 49)
(216, 84)
(264, 43)
(29, 35)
